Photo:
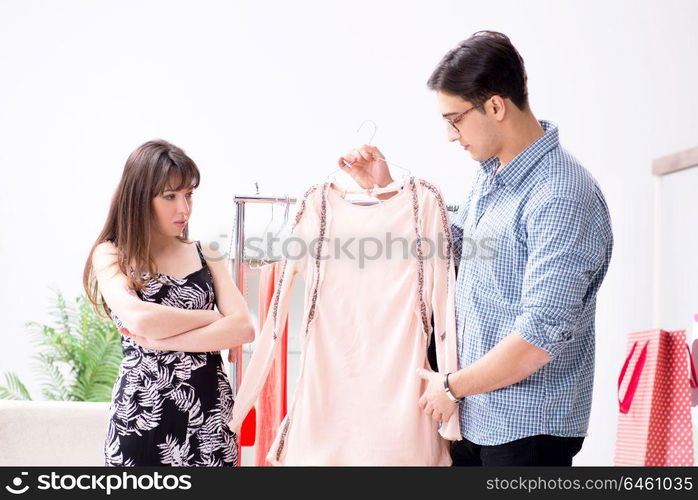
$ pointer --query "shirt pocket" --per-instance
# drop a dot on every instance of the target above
(488, 299)
(500, 262)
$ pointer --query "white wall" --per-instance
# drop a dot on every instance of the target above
(273, 92)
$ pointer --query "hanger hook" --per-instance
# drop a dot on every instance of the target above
(375, 129)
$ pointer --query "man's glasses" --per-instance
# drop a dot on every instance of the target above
(454, 121)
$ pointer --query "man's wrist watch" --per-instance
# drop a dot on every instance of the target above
(447, 388)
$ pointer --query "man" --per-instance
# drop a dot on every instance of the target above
(533, 240)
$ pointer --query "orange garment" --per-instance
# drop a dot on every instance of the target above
(271, 403)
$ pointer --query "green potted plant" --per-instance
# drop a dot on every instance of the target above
(78, 357)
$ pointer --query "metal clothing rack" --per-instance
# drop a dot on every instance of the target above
(238, 242)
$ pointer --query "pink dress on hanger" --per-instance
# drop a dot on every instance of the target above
(365, 330)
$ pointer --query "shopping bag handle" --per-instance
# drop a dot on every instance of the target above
(694, 377)
(624, 404)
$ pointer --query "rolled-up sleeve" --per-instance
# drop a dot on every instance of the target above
(565, 251)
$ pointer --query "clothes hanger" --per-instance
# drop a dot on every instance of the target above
(392, 187)
(265, 259)
(287, 204)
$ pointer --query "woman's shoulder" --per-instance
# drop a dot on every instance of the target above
(106, 246)
(104, 254)
(210, 250)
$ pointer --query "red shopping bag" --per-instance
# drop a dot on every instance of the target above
(654, 423)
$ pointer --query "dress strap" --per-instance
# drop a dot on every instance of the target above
(201, 253)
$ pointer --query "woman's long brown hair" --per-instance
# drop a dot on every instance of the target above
(147, 174)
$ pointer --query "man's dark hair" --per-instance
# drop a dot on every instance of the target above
(484, 65)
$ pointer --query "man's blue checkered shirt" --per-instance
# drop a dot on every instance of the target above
(533, 245)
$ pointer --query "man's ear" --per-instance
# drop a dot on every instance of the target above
(497, 107)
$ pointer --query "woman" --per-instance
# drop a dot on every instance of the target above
(172, 398)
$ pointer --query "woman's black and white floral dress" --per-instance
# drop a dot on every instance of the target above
(168, 407)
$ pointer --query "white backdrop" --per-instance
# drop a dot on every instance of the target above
(273, 92)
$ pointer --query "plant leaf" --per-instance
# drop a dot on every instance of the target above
(14, 389)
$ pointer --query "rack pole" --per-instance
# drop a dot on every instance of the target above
(235, 374)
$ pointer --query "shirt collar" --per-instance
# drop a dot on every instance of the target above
(522, 163)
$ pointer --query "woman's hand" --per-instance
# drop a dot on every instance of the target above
(138, 339)
(232, 354)
(368, 167)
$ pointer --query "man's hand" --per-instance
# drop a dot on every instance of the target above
(368, 167)
(434, 401)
